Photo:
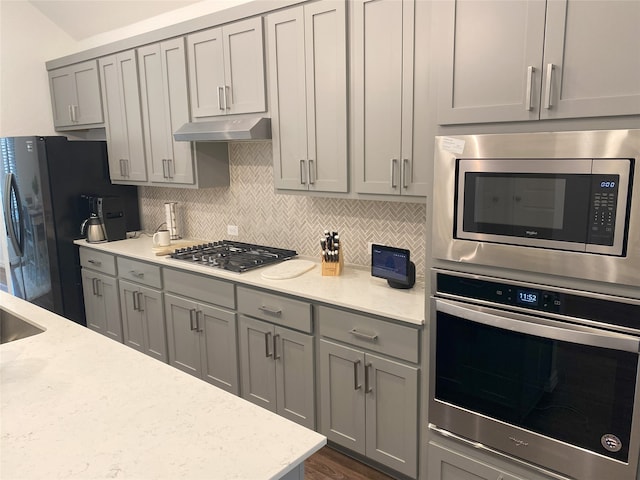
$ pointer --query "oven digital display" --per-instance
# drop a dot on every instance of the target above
(528, 297)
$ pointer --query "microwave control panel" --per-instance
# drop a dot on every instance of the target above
(602, 212)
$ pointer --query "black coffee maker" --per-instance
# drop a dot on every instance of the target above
(111, 211)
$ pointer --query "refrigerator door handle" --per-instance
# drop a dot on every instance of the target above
(16, 232)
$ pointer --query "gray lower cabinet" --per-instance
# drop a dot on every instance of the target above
(368, 400)
(100, 290)
(202, 341)
(535, 65)
(143, 319)
(277, 354)
(276, 367)
(455, 462)
(101, 303)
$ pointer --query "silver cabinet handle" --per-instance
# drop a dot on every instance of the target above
(394, 162)
(126, 167)
(136, 299)
(121, 168)
(312, 176)
(276, 338)
(192, 320)
(367, 380)
(140, 303)
(547, 93)
(97, 263)
(70, 108)
(199, 316)
(94, 286)
(169, 165)
(276, 312)
(98, 287)
(220, 100)
(227, 102)
(528, 94)
(164, 168)
(405, 168)
(303, 180)
(267, 341)
(135, 273)
(356, 384)
(372, 337)
(74, 112)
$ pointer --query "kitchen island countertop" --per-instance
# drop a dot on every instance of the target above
(355, 289)
(78, 405)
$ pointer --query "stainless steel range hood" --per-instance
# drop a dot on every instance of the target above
(255, 128)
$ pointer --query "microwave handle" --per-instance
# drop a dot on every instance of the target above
(539, 327)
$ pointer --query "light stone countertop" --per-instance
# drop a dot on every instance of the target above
(78, 405)
(355, 289)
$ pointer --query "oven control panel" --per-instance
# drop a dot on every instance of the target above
(591, 307)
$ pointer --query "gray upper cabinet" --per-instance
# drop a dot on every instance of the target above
(308, 96)
(75, 96)
(539, 61)
(382, 96)
(165, 108)
(226, 69)
(123, 117)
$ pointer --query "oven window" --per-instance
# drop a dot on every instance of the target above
(571, 392)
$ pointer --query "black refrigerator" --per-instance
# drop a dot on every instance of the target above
(45, 184)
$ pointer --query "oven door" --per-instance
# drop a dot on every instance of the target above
(568, 204)
(560, 395)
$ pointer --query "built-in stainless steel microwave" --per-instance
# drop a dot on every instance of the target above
(567, 204)
(537, 204)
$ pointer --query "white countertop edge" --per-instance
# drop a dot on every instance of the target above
(355, 289)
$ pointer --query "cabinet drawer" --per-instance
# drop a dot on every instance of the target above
(275, 309)
(139, 272)
(370, 333)
(199, 287)
(98, 261)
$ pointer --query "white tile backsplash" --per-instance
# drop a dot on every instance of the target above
(287, 221)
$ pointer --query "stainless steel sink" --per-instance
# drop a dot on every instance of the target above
(14, 328)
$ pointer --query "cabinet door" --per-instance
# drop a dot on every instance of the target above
(75, 96)
(165, 108)
(445, 464)
(392, 413)
(591, 59)
(342, 403)
(94, 312)
(183, 340)
(154, 330)
(492, 59)
(287, 90)
(219, 347)
(293, 355)
(382, 92)
(123, 118)
(206, 73)
(132, 324)
(257, 368)
(244, 66)
(326, 98)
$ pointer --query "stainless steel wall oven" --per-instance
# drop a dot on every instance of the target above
(546, 375)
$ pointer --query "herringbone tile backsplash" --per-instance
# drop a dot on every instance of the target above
(287, 221)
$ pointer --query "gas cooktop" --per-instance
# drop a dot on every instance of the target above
(234, 256)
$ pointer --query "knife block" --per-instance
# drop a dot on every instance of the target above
(333, 269)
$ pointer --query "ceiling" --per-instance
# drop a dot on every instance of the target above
(85, 18)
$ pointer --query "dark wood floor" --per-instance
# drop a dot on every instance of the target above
(328, 464)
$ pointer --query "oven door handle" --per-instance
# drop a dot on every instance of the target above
(540, 327)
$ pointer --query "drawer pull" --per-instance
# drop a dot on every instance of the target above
(140, 297)
(276, 337)
(367, 379)
(136, 299)
(97, 263)
(193, 321)
(372, 337)
(276, 312)
(267, 341)
(136, 273)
